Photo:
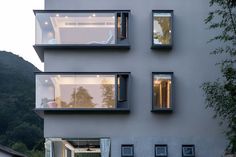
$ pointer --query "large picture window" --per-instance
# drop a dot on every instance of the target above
(79, 147)
(162, 29)
(81, 91)
(162, 91)
(81, 27)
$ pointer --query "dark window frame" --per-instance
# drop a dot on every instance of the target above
(188, 145)
(119, 44)
(127, 145)
(163, 46)
(119, 109)
(161, 145)
(162, 110)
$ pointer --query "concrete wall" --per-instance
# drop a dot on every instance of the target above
(190, 122)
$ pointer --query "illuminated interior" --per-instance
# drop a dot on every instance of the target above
(162, 91)
(81, 28)
(162, 28)
(85, 147)
(75, 91)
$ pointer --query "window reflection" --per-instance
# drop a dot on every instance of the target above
(162, 28)
(75, 91)
(75, 28)
(162, 91)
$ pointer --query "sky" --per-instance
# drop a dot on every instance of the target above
(17, 28)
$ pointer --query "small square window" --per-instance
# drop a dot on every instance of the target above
(127, 150)
(188, 150)
(162, 91)
(162, 33)
(161, 151)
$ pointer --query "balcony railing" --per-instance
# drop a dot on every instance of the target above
(82, 91)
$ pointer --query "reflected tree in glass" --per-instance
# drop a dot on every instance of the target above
(81, 98)
(162, 29)
(108, 94)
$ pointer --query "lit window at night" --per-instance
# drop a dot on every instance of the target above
(162, 91)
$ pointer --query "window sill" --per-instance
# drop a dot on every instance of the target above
(162, 110)
(156, 46)
(42, 111)
(39, 48)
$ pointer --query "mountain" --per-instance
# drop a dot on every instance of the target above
(20, 128)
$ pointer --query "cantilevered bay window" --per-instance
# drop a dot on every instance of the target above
(162, 91)
(89, 91)
(81, 29)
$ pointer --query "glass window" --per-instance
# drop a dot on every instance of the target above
(89, 91)
(71, 91)
(79, 28)
(80, 147)
(162, 91)
(162, 28)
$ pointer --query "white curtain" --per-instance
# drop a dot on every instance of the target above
(105, 144)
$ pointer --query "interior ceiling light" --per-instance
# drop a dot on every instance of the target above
(46, 23)
(57, 15)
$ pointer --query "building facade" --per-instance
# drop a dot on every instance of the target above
(122, 78)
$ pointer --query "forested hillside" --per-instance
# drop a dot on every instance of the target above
(20, 128)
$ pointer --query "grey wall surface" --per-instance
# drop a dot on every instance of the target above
(190, 122)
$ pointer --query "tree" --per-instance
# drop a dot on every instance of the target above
(220, 95)
(81, 98)
(108, 94)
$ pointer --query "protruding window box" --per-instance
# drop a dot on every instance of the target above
(162, 87)
(82, 92)
(162, 29)
(76, 29)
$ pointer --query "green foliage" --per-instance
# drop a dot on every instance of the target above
(21, 129)
(20, 147)
(221, 94)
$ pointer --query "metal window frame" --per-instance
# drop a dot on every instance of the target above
(127, 145)
(161, 145)
(163, 46)
(162, 110)
(40, 48)
(188, 146)
(126, 109)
